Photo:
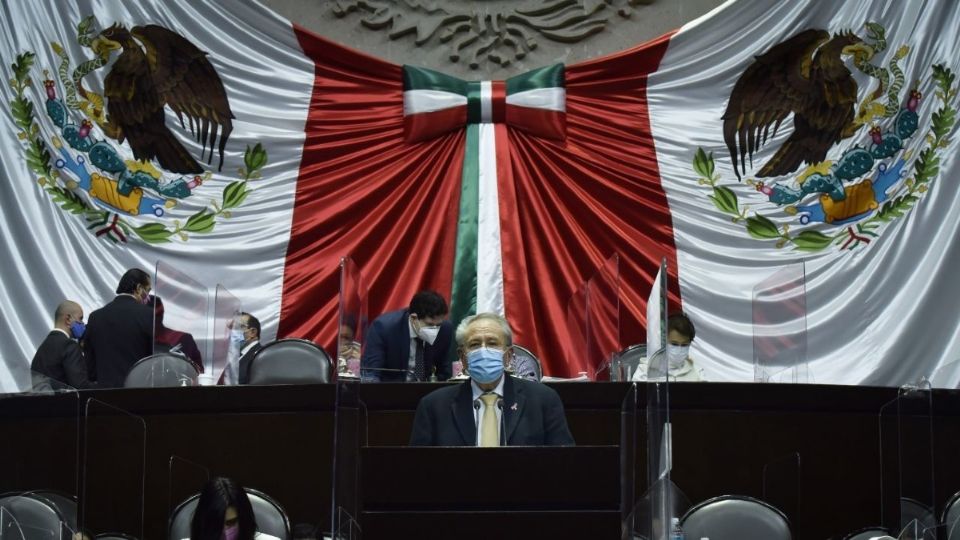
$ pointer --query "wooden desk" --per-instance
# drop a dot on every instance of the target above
(279, 440)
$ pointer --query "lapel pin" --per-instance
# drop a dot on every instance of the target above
(513, 407)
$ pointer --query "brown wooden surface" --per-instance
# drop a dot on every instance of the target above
(279, 440)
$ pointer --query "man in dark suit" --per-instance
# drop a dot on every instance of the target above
(121, 332)
(492, 408)
(59, 357)
(410, 344)
(249, 333)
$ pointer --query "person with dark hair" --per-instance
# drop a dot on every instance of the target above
(170, 340)
(59, 356)
(224, 512)
(121, 332)
(676, 356)
(409, 344)
(247, 338)
(492, 408)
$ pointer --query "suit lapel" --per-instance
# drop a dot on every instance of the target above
(462, 410)
(403, 342)
(513, 402)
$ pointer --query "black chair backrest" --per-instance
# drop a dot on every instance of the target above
(36, 518)
(735, 517)
(951, 516)
(290, 361)
(116, 536)
(626, 361)
(270, 516)
(65, 504)
(912, 509)
(525, 364)
(867, 533)
(161, 370)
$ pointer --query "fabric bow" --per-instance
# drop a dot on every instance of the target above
(435, 103)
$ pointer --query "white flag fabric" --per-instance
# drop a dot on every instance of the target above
(65, 237)
(806, 134)
(880, 263)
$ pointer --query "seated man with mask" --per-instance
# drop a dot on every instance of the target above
(492, 408)
(680, 333)
(409, 344)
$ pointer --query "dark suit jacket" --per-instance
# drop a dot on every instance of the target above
(387, 345)
(243, 369)
(118, 334)
(61, 359)
(532, 416)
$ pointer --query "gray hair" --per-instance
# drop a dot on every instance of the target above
(461, 334)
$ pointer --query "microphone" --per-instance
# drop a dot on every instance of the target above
(365, 370)
(503, 424)
(476, 419)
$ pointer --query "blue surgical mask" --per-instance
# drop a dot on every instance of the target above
(485, 365)
(77, 328)
(236, 336)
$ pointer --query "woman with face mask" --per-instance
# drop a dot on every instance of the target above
(224, 512)
(676, 357)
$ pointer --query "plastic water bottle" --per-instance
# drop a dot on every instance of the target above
(676, 532)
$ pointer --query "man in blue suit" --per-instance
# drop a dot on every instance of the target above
(409, 344)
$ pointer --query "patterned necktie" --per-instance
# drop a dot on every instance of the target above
(489, 434)
(419, 371)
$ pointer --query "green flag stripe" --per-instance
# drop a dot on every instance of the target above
(463, 296)
(415, 78)
(545, 77)
(474, 90)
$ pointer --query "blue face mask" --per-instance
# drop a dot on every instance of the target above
(236, 336)
(485, 365)
(77, 329)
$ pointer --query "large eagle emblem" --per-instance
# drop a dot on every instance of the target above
(804, 75)
(157, 68)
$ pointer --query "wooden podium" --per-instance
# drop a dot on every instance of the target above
(510, 492)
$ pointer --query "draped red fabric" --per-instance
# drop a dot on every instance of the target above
(365, 193)
(566, 207)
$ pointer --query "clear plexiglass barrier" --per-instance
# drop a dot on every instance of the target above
(226, 324)
(180, 320)
(593, 322)
(352, 323)
(779, 306)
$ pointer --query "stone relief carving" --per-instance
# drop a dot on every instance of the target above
(474, 31)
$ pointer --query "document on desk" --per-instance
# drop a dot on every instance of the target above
(582, 378)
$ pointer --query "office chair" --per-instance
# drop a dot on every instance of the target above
(951, 517)
(290, 361)
(525, 364)
(626, 361)
(65, 504)
(736, 517)
(271, 519)
(161, 370)
(912, 509)
(36, 518)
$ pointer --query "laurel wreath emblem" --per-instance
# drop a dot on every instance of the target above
(925, 170)
(105, 223)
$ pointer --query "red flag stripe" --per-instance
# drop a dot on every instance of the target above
(498, 95)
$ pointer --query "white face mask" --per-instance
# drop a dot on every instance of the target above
(677, 355)
(428, 333)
